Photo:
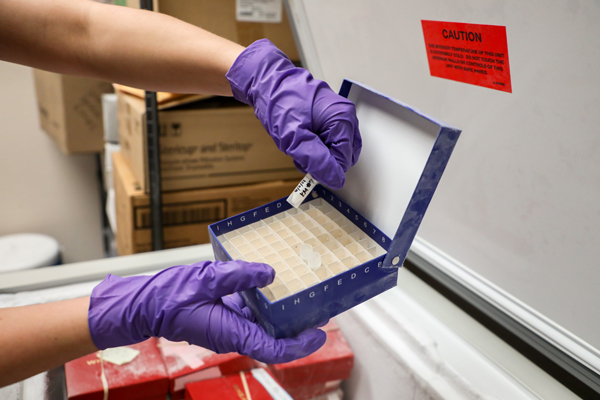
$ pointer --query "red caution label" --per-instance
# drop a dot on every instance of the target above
(469, 53)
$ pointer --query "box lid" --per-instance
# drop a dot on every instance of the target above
(404, 154)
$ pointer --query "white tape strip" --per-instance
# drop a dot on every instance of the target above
(306, 185)
(270, 384)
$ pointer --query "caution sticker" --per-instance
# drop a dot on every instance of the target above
(469, 53)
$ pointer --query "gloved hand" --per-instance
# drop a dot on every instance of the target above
(305, 118)
(186, 303)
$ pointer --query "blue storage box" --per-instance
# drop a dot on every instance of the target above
(404, 155)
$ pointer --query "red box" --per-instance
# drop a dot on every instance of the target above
(227, 387)
(333, 361)
(187, 363)
(308, 392)
(144, 378)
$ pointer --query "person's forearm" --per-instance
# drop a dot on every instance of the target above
(36, 338)
(133, 47)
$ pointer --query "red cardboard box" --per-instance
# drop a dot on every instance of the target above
(229, 387)
(187, 363)
(308, 392)
(333, 361)
(144, 378)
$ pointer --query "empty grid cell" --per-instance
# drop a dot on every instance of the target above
(325, 237)
(304, 206)
(257, 225)
(349, 228)
(258, 243)
(273, 258)
(268, 293)
(276, 281)
(354, 248)
(284, 233)
(278, 245)
(227, 246)
(261, 261)
(330, 226)
(245, 249)
(271, 238)
(252, 256)
(275, 226)
(280, 266)
(269, 220)
(361, 235)
(308, 224)
(244, 229)
(304, 236)
(291, 240)
(287, 275)
(231, 235)
(312, 241)
(376, 251)
(332, 245)
(317, 230)
(289, 221)
(309, 279)
(301, 217)
(321, 249)
(301, 269)
(337, 233)
(279, 216)
(295, 285)
(367, 242)
(323, 273)
(264, 231)
(296, 247)
(363, 256)
(286, 252)
(293, 261)
(292, 211)
(341, 253)
(237, 241)
(326, 207)
(345, 240)
(328, 258)
(335, 215)
(235, 255)
(321, 219)
(313, 213)
(296, 228)
(350, 262)
(337, 267)
(279, 292)
(265, 251)
(315, 203)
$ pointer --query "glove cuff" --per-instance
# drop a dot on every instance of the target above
(256, 61)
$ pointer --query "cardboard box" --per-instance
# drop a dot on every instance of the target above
(186, 214)
(357, 260)
(212, 142)
(234, 387)
(144, 378)
(223, 18)
(70, 110)
(187, 363)
(332, 362)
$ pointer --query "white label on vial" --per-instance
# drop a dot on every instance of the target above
(306, 185)
(259, 11)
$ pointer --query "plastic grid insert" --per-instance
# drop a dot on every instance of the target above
(277, 240)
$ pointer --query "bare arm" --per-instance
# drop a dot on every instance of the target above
(118, 44)
(36, 338)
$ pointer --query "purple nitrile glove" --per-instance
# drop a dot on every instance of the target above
(187, 303)
(306, 119)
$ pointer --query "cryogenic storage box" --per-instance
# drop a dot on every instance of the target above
(404, 155)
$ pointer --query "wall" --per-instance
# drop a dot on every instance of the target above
(42, 190)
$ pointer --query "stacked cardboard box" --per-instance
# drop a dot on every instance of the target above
(70, 110)
(242, 22)
(186, 214)
(206, 143)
